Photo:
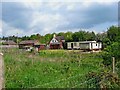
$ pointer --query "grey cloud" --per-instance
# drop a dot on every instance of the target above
(18, 16)
(15, 15)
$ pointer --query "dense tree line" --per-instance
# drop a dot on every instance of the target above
(69, 36)
(107, 38)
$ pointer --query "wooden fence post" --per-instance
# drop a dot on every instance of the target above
(113, 64)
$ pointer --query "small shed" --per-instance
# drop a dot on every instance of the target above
(9, 44)
(29, 45)
(85, 45)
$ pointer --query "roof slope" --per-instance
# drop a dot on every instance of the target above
(36, 42)
(59, 38)
(9, 43)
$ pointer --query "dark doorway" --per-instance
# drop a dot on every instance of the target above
(72, 45)
(91, 46)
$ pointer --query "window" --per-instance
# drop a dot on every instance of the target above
(96, 44)
(75, 44)
(52, 40)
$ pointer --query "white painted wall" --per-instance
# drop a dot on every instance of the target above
(100, 45)
(76, 45)
(69, 45)
(96, 45)
(84, 46)
(90, 46)
(53, 40)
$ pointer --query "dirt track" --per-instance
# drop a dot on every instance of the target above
(1, 72)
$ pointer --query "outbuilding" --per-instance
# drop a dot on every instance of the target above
(85, 45)
(29, 44)
(9, 44)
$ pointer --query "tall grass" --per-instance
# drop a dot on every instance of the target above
(48, 68)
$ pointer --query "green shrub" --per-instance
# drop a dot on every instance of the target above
(111, 51)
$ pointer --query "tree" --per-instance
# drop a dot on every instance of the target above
(113, 33)
(61, 34)
(47, 38)
(68, 36)
(79, 36)
(111, 51)
(90, 36)
(101, 36)
(25, 38)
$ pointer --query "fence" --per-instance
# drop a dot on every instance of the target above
(76, 80)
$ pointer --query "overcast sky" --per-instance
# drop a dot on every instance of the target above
(28, 17)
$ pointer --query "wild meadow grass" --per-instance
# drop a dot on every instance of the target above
(48, 68)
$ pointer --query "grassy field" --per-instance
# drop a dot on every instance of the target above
(49, 68)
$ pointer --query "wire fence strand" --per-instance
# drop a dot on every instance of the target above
(60, 80)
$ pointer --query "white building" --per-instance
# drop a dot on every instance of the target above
(85, 45)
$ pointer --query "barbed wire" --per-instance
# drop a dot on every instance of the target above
(57, 81)
(83, 82)
(60, 80)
